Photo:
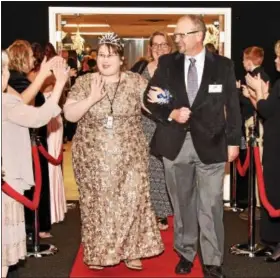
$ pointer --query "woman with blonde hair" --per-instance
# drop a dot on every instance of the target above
(20, 64)
(268, 106)
(159, 44)
(17, 169)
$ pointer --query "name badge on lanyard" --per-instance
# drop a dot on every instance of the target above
(109, 123)
(110, 119)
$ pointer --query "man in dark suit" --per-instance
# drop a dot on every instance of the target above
(199, 130)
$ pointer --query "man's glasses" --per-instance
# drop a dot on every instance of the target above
(110, 56)
(183, 35)
(161, 45)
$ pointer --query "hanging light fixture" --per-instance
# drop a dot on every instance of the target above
(78, 42)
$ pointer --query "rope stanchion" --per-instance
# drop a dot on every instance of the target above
(36, 249)
(233, 189)
(251, 248)
(33, 205)
(242, 169)
(50, 158)
(261, 186)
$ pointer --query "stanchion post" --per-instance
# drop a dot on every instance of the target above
(233, 189)
(251, 249)
(36, 249)
(252, 195)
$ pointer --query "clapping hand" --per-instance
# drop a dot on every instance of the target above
(254, 82)
(46, 67)
(61, 71)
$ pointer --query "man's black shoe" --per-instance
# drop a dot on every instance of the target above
(184, 266)
(213, 271)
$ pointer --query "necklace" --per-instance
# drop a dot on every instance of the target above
(110, 118)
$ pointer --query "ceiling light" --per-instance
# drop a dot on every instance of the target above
(86, 25)
(171, 25)
(90, 33)
(136, 39)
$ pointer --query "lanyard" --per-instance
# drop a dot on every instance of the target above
(113, 99)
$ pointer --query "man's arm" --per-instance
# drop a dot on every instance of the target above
(233, 115)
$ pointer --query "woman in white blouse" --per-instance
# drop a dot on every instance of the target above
(17, 117)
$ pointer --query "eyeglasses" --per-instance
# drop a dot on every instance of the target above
(183, 35)
(161, 45)
(110, 56)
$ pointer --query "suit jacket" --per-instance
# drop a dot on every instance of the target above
(210, 129)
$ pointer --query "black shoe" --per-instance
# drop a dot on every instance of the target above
(213, 271)
(184, 266)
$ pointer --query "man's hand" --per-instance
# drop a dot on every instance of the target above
(238, 84)
(180, 115)
(233, 152)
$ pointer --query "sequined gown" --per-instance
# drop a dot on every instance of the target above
(111, 169)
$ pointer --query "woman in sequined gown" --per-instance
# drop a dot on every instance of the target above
(110, 161)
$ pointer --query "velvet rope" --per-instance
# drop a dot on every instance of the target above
(33, 205)
(50, 158)
(261, 185)
(242, 169)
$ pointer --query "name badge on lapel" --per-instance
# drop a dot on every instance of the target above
(215, 88)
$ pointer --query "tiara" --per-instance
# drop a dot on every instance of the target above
(111, 38)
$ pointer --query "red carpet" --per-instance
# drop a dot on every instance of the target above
(161, 266)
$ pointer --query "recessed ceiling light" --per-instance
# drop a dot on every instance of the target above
(86, 25)
(90, 33)
(171, 25)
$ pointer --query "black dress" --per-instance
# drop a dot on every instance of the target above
(270, 111)
(19, 82)
(247, 111)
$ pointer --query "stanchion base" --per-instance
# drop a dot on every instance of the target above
(71, 205)
(234, 209)
(245, 250)
(43, 251)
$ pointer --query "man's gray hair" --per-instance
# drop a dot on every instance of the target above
(199, 23)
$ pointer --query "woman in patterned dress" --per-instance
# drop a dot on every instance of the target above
(17, 169)
(110, 161)
(159, 44)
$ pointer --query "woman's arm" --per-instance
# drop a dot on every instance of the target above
(32, 90)
(268, 107)
(29, 116)
(33, 117)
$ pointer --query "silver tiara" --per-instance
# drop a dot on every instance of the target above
(111, 38)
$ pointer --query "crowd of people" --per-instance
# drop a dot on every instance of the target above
(148, 143)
